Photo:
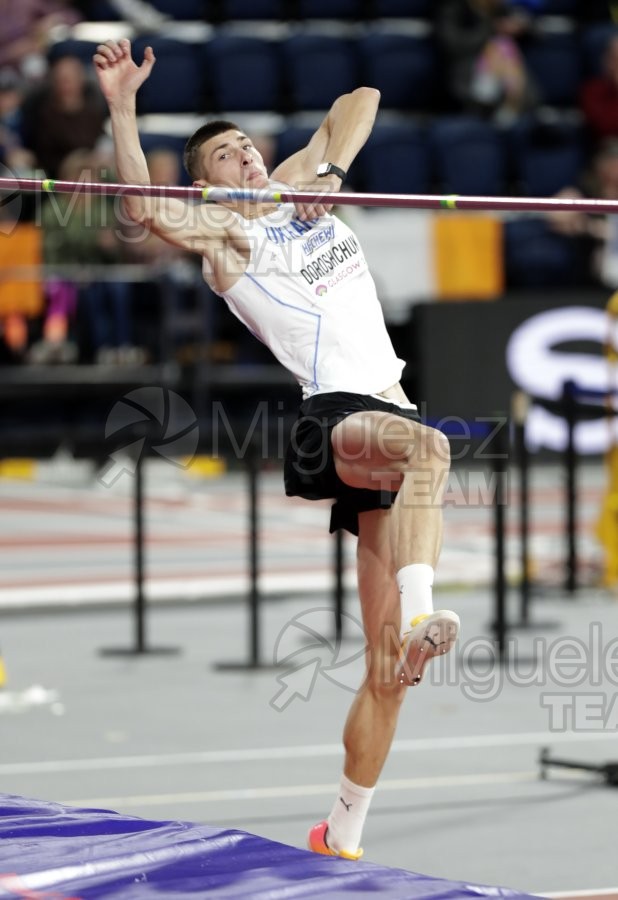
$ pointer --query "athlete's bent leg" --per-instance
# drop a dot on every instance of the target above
(379, 450)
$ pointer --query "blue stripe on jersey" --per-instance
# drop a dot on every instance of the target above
(298, 309)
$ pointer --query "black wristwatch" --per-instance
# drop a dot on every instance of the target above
(327, 168)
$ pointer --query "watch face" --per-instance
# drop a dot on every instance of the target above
(327, 168)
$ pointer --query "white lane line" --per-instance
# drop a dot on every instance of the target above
(304, 751)
(305, 790)
(609, 893)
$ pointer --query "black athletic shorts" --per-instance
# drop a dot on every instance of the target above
(309, 469)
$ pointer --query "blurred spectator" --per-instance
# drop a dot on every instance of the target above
(24, 34)
(21, 298)
(486, 71)
(64, 115)
(12, 153)
(598, 232)
(80, 230)
(599, 95)
(163, 166)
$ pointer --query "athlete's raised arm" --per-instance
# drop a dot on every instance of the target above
(177, 221)
(336, 143)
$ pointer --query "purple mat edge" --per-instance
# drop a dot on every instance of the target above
(58, 852)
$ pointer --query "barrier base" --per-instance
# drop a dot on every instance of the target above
(136, 651)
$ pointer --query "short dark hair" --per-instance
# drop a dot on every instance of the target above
(204, 133)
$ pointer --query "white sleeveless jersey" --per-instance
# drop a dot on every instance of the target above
(308, 295)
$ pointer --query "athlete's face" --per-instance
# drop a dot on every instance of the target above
(231, 160)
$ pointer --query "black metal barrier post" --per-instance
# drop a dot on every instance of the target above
(520, 408)
(520, 412)
(254, 595)
(568, 397)
(573, 408)
(140, 625)
(501, 625)
(139, 601)
(499, 457)
(254, 598)
(339, 590)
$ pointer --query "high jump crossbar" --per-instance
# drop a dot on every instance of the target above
(268, 195)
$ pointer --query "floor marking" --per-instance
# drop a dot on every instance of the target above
(306, 751)
(608, 893)
(305, 790)
(168, 587)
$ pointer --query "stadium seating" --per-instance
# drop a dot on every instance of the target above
(469, 156)
(291, 62)
(420, 9)
(242, 72)
(554, 62)
(101, 11)
(396, 159)
(330, 9)
(535, 256)
(231, 10)
(559, 7)
(594, 40)
(403, 67)
(290, 140)
(546, 157)
(175, 83)
(184, 9)
(318, 68)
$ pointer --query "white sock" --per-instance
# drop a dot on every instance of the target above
(347, 818)
(415, 584)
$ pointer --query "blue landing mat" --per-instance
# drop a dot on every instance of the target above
(54, 852)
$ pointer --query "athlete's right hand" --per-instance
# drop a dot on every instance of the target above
(119, 77)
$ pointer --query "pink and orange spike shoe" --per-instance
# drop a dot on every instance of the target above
(430, 635)
(316, 841)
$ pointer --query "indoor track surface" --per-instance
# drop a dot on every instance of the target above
(173, 737)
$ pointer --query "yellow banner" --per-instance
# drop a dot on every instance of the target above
(22, 247)
(468, 257)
